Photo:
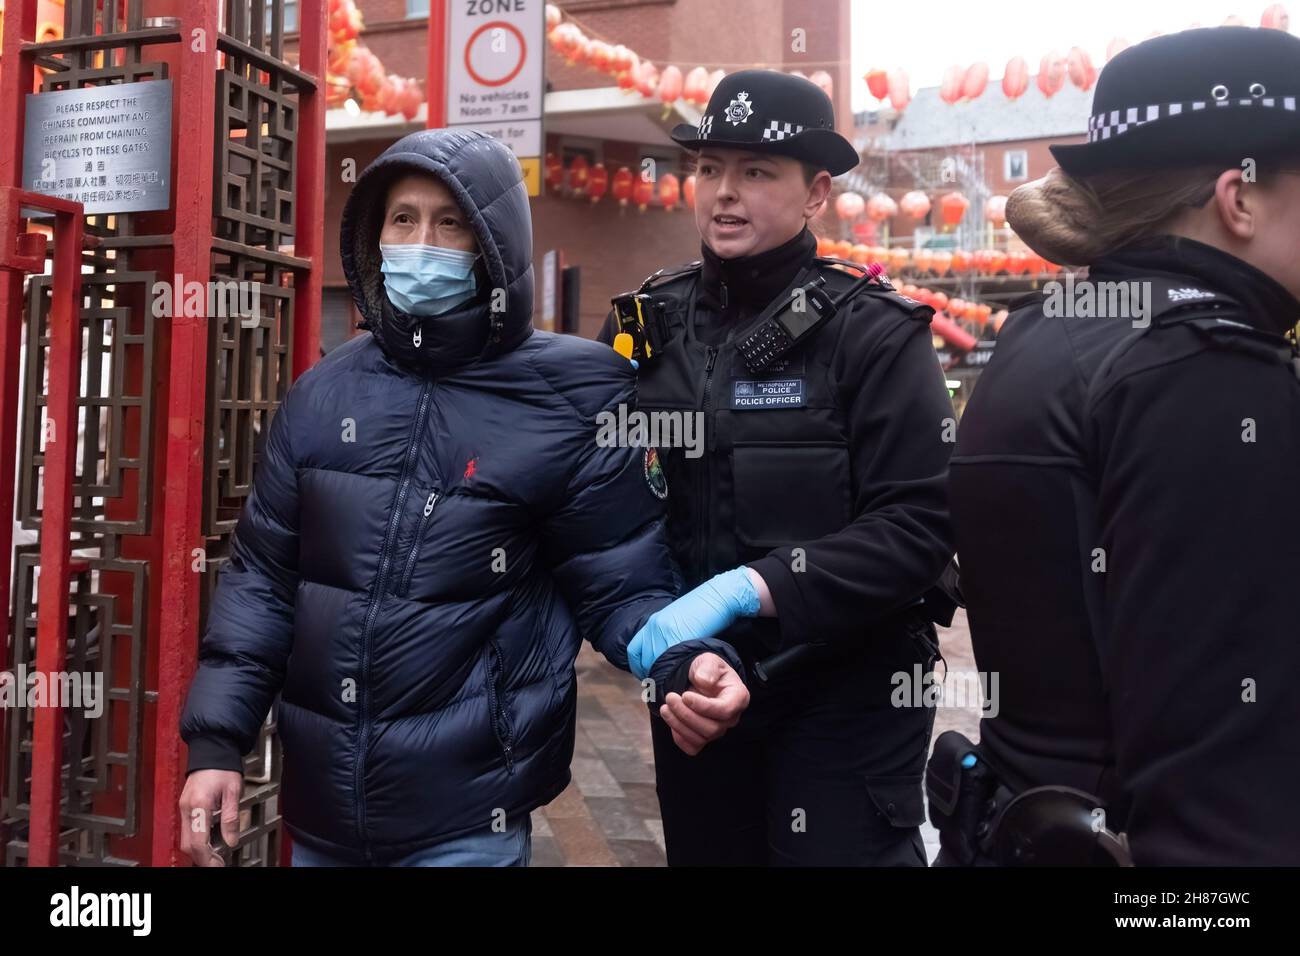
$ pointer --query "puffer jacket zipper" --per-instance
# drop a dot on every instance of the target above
(404, 586)
(496, 705)
(372, 610)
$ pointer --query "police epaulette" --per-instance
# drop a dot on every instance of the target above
(663, 275)
(880, 288)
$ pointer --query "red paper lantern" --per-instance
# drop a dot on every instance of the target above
(1276, 18)
(602, 56)
(923, 259)
(695, 87)
(389, 91)
(900, 90)
(915, 204)
(952, 207)
(938, 300)
(898, 257)
(578, 170)
(1051, 74)
(877, 83)
(552, 17)
(565, 39)
(961, 261)
(975, 80)
(628, 76)
(554, 171)
(997, 261)
(1015, 79)
(1080, 68)
(643, 193)
(849, 205)
(995, 210)
(647, 78)
(670, 191)
(950, 87)
(597, 182)
(881, 207)
(581, 52)
(1115, 47)
(670, 85)
(688, 191)
(942, 262)
(621, 186)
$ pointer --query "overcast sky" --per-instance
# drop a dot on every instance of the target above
(924, 37)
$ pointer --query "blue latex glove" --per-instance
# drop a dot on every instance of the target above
(704, 612)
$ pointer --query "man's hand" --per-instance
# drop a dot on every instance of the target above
(710, 708)
(206, 791)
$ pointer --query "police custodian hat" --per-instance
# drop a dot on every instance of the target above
(766, 111)
(1219, 94)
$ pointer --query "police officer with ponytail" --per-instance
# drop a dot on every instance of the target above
(810, 522)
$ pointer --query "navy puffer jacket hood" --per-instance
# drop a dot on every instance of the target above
(484, 179)
(426, 544)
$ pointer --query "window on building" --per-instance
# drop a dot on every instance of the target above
(1015, 165)
(290, 16)
(417, 8)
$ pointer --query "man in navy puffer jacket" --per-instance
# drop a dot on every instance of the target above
(433, 529)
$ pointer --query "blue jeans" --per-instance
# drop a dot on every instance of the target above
(512, 847)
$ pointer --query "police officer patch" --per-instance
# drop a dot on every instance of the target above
(654, 474)
(768, 393)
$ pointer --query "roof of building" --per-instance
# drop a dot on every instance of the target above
(928, 122)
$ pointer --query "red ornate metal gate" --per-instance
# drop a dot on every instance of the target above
(133, 511)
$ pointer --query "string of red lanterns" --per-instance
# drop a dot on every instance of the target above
(593, 182)
(962, 84)
(632, 72)
(351, 66)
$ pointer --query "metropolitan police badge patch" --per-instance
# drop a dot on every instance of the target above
(654, 474)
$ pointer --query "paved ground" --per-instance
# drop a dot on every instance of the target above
(609, 815)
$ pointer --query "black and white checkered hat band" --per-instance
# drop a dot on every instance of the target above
(1118, 122)
(777, 131)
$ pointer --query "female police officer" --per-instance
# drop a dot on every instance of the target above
(811, 521)
(1122, 486)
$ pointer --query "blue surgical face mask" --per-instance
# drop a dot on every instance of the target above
(427, 280)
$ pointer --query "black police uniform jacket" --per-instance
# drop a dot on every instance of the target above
(1123, 499)
(826, 474)
(426, 543)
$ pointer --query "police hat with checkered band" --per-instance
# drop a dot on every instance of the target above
(769, 112)
(1220, 94)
